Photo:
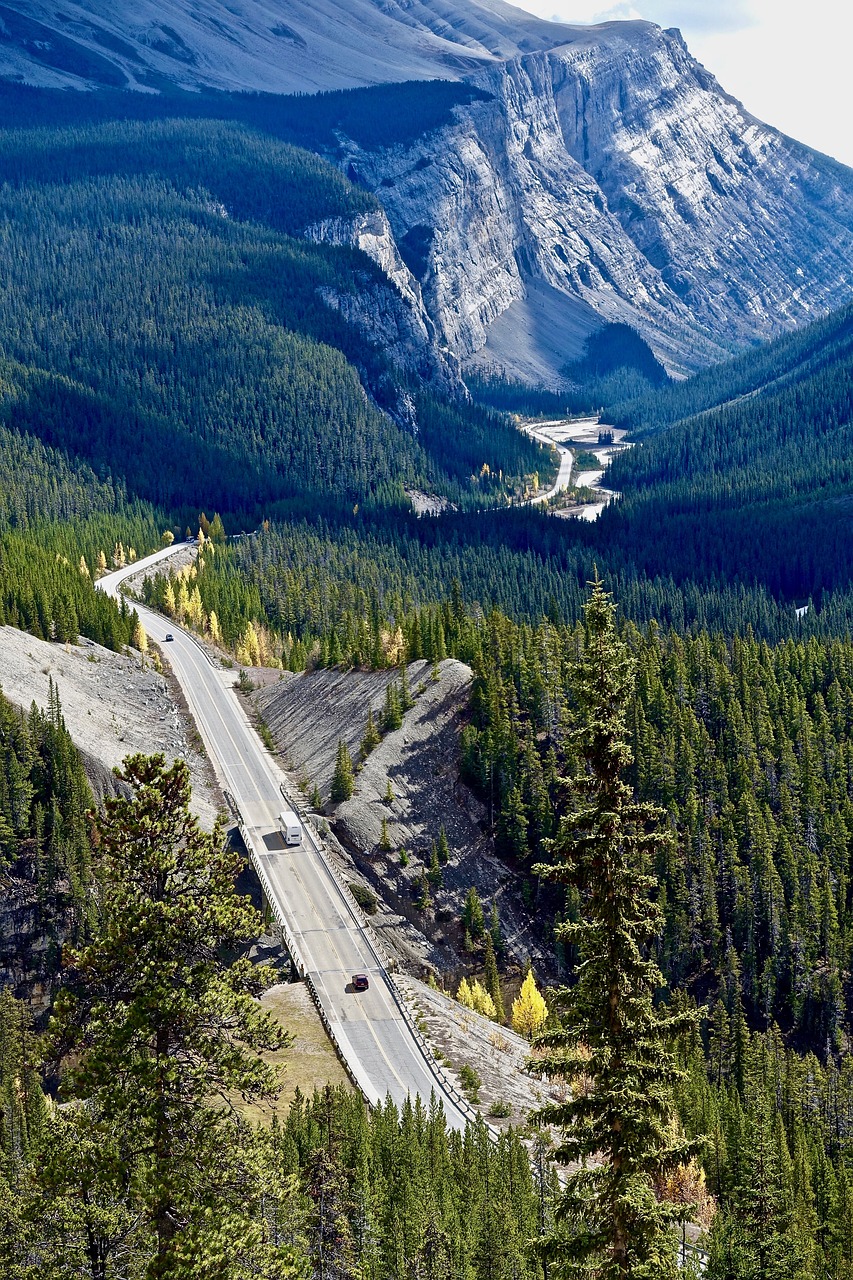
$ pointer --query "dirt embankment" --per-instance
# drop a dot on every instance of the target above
(459, 1037)
(113, 705)
(308, 715)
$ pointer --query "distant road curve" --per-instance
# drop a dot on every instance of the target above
(329, 940)
(584, 433)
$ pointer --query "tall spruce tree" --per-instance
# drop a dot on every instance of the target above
(492, 978)
(343, 780)
(619, 1128)
(163, 1031)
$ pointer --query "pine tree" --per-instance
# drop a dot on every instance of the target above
(443, 848)
(372, 737)
(495, 929)
(392, 716)
(343, 781)
(434, 875)
(424, 896)
(385, 837)
(406, 699)
(492, 980)
(609, 1219)
(472, 915)
(157, 1023)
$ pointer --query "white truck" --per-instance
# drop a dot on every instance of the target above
(291, 827)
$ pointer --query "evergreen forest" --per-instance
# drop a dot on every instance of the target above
(176, 339)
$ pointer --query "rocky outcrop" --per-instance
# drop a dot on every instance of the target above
(393, 313)
(308, 715)
(613, 180)
(34, 927)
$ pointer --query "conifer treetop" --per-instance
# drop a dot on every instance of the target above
(615, 1045)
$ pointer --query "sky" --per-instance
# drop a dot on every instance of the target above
(788, 61)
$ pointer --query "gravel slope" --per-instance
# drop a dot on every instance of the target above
(112, 704)
(308, 714)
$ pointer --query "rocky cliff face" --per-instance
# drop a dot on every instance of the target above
(393, 313)
(612, 179)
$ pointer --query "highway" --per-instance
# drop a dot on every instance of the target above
(325, 932)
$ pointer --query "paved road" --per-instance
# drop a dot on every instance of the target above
(327, 933)
(563, 478)
(584, 432)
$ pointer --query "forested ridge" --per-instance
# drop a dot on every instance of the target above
(382, 115)
(767, 368)
(756, 490)
(137, 248)
(60, 523)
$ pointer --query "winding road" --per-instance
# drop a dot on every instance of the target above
(583, 432)
(325, 933)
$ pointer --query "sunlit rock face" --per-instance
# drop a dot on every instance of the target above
(612, 179)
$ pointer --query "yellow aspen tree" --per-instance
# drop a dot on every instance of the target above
(169, 599)
(84, 568)
(463, 994)
(131, 555)
(182, 599)
(214, 628)
(101, 564)
(267, 647)
(119, 559)
(140, 639)
(394, 646)
(481, 1001)
(529, 1010)
(168, 538)
(195, 609)
(248, 650)
(253, 644)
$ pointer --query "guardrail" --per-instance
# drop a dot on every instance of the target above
(295, 954)
(385, 964)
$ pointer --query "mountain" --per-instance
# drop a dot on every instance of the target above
(598, 174)
(282, 46)
(612, 179)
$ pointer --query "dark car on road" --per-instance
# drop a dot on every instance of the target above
(360, 982)
(169, 635)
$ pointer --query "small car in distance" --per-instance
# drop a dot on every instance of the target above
(360, 982)
(169, 635)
